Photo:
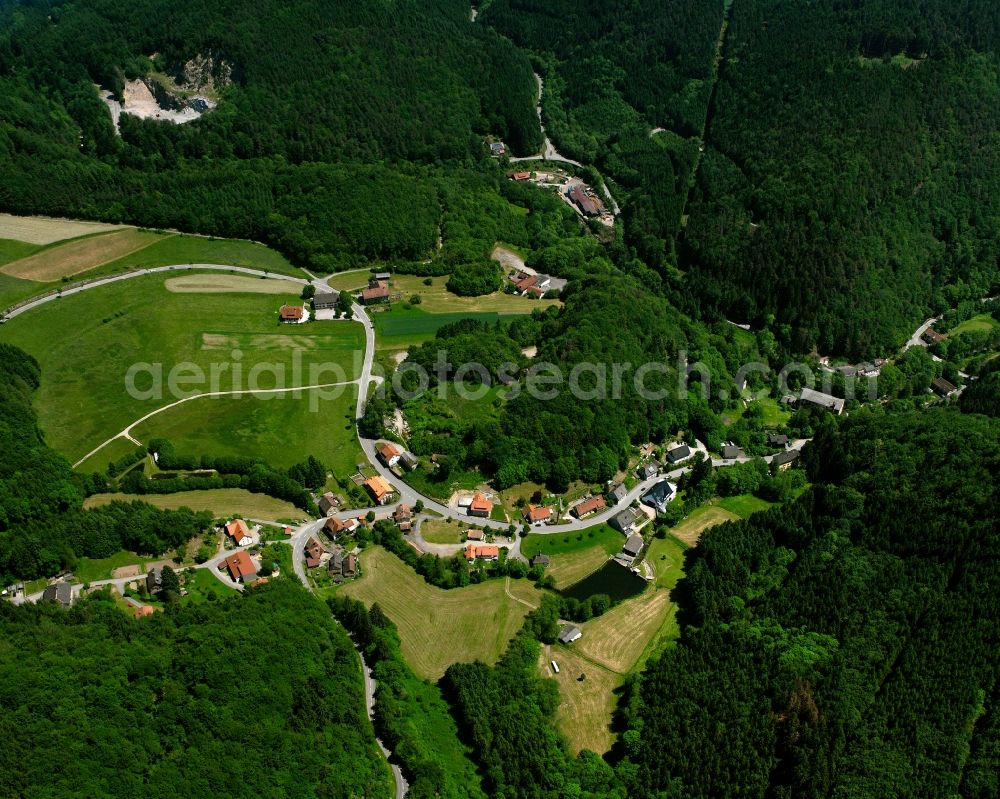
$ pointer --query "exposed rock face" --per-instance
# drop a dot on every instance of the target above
(206, 73)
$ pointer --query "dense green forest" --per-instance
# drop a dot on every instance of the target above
(849, 181)
(202, 700)
(843, 644)
(42, 525)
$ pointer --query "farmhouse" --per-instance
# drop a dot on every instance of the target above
(569, 634)
(625, 521)
(942, 387)
(535, 514)
(292, 314)
(389, 454)
(810, 397)
(377, 292)
(334, 527)
(678, 454)
(588, 506)
(403, 517)
(659, 496)
(540, 560)
(480, 506)
(326, 301)
(238, 531)
(328, 503)
(482, 552)
(475, 535)
(240, 567)
(154, 581)
(350, 566)
(380, 490)
(784, 460)
(585, 201)
(617, 493)
(633, 546)
(776, 440)
(60, 592)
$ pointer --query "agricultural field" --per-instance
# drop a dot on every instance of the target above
(79, 255)
(574, 555)
(689, 530)
(402, 328)
(222, 283)
(583, 716)
(439, 627)
(348, 281)
(220, 502)
(234, 340)
(437, 299)
(44, 230)
(666, 556)
(618, 638)
(113, 451)
(742, 505)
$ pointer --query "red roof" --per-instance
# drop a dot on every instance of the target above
(388, 451)
(378, 291)
(292, 313)
(237, 529)
(589, 506)
(526, 282)
(537, 514)
(481, 504)
(239, 565)
(520, 175)
(484, 551)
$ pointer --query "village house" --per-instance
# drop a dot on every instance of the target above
(497, 148)
(519, 176)
(377, 292)
(540, 560)
(585, 201)
(350, 566)
(808, 396)
(240, 567)
(403, 517)
(537, 514)
(154, 580)
(625, 521)
(784, 460)
(648, 470)
(409, 460)
(292, 314)
(482, 552)
(942, 387)
(59, 592)
(480, 506)
(730, 452)
(617, 493)
(389, 454)
(328, 503)
(380, 490)
(335, 527)
(588, 506)
(678, 454)
(314, 552)
(326, 300)
(569, 634)
(777, 440)
(238, 531)
(659, 496)
(475, 535)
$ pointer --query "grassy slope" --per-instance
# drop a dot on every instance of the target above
(437, 299)
(403, 328)
(83, 401)
(220, 502)
(574, 555)
(438, 627)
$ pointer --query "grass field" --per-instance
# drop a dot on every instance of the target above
(404, 328)
(222, 283)
(439, 531)
(43, 230)
(977, 324)
(11, 250)
(617, 639)
(742, 505)
(98, 462)
(140, 322)
(574, 555)
(348, 281)
(690, 529)
(438, 627)
(220, 502)
(200, 583)
(88, 570)
(585, 706)
(437, 299)
(666, 556)
(79, 255)
(279, 429)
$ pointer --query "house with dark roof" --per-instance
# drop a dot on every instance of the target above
(59, 592)
(617, 493)
(585, 201)
(540, 560)
(403, 517)
(777, 440)
(730, 451)
(350, 566)
(497, 148)
(625, 521)
(931, 336)
(588, 506)
(326, 300)
(678, 454)
(784, 460)
(569, 634)
(154, 581)
(314, 552)
(329, 503)
(659, 496)
(648, 470)
(942, 387)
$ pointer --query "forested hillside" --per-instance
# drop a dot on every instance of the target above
(845, 644)
(614, 72)
(331, 124)
(849, 182)
(203, 700)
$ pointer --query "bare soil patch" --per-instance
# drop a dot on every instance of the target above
(80, 255)
(44, 230)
